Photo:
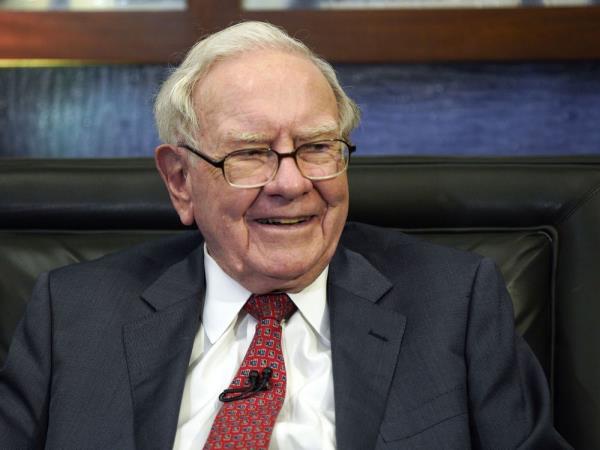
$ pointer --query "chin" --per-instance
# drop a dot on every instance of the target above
(300, 267)
(287, 272)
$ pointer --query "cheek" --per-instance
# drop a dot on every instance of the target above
(223, 210)
(337, 198)
(335, 194)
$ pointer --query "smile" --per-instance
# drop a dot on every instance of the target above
(283, 221)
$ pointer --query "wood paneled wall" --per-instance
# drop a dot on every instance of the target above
(375, 36)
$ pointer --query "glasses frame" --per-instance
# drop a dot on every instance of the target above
(220, 163)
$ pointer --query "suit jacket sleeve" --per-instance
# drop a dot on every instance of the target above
(24, 379)
(508, 395)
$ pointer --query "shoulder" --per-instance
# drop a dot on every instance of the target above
(390, 247)
(128, 271)
(156, 253)
(422, 274)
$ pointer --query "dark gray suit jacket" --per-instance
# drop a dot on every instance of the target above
(423, 346)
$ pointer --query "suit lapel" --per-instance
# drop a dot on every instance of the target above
(365, 345)
(158, 348)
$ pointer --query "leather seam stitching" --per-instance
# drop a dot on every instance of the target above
(578, 204)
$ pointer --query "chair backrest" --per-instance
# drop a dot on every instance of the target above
(538, 218)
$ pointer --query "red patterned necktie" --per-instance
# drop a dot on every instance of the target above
(247, 421)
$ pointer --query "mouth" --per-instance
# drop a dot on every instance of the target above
(284, 221)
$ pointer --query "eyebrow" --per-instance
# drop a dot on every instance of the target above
(245, 137)
(310, 133)
(238, 139)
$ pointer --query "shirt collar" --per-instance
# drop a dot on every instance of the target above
(225, 298)
(312, 304)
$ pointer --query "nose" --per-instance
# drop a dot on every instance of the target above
(288, 181)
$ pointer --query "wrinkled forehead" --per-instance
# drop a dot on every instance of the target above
(306, 133)
(268, 83)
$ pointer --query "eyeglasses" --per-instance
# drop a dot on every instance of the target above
(255, 167)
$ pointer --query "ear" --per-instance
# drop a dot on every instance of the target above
(172, 164)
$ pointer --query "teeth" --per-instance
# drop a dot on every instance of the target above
(282, 221)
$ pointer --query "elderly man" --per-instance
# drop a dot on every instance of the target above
(279, 325)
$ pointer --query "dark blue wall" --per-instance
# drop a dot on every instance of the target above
(460, 109)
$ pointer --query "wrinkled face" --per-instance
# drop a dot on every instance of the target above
(282, 235)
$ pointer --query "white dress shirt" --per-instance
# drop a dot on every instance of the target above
(307, 418)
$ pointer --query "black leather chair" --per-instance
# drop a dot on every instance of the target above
(538, 218)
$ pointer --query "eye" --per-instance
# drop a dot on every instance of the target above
(250, 153)
(319, 147)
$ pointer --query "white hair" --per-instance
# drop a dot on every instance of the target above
(174, 113)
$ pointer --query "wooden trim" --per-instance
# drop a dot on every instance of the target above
(132, 37)
(376, 36)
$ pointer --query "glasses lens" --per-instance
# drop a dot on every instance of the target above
(324, 159)
(250, 167)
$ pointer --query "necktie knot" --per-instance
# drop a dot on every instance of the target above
(272, 306)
